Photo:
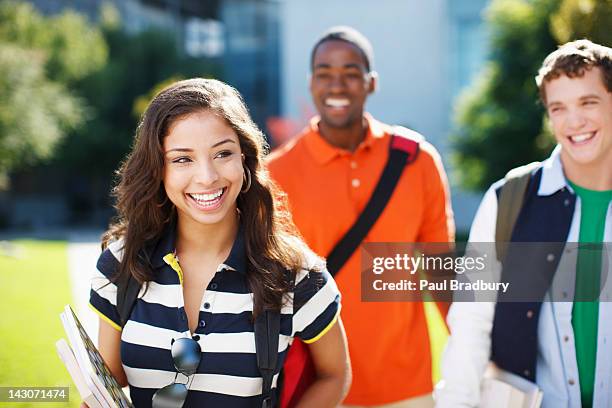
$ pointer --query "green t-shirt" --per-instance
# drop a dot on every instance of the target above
(585, 312)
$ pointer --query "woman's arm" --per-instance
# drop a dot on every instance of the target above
(109, 345)
(333, 369)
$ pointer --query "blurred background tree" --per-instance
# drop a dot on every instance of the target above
(41, 60)
(577, 19)
(137, 64)
(114, 96)
(500, 123)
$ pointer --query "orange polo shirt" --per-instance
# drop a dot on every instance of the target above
(327, 188)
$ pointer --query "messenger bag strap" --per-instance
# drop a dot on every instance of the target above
(402, 151)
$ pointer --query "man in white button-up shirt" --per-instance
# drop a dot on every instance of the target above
(566, 350)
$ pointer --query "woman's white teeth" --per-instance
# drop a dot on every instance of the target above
(207, 197)
(336, 103)
(582, 137)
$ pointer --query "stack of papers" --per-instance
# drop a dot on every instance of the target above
(502, 389)
(91, 376)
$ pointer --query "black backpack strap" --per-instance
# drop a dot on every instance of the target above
(267, 330)
(509, 205)
(403, 150)
(127, 293)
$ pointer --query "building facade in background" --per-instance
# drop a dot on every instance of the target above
(426, 52)
(242, 34)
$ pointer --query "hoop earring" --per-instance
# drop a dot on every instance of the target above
(246, 179)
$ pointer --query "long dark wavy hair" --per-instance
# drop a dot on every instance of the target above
(145, 211)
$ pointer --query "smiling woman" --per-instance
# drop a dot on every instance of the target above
(203, 175)
(201, 227)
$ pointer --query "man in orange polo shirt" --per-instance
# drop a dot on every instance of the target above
(329, 173)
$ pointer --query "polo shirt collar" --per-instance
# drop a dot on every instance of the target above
(553, 178)
(323, 152)
(164, 246)
(167, 244)
(237, 259)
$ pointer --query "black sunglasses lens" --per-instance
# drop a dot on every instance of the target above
(186, 354)
(171, 396)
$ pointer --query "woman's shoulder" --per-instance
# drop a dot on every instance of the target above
(111, 257)
(310, 261)
(316, 299)
(313, 275)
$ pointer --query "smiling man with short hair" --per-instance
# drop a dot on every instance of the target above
(329, 173)
(564, 347)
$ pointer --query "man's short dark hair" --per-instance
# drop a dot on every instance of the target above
(351, 36)
(573, 59)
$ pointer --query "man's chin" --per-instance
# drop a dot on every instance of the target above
(337, 123)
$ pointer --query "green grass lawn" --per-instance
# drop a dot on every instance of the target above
(34, 287)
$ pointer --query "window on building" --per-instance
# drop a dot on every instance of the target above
(204, 38)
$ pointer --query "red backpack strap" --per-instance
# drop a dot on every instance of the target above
(407, 141)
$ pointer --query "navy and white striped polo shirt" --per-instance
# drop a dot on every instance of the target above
(227, 375)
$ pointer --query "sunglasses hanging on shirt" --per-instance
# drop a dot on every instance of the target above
(186, 356)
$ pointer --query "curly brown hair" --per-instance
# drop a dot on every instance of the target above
(144, 210)
(573, 59)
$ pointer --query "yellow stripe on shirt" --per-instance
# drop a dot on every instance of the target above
(105, 318)
(325, 330)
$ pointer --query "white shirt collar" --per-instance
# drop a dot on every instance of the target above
(553, 178)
